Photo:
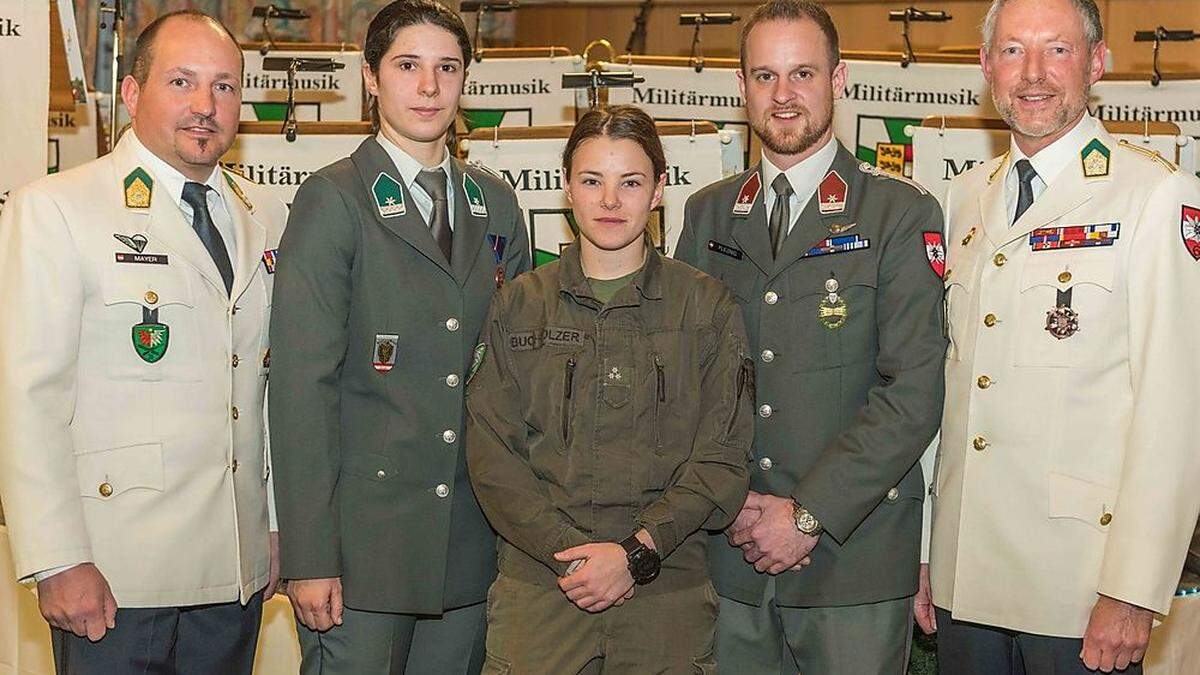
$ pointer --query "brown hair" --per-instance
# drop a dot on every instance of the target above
(143, 52)
(793, 10)
(618, 122)
(401, 14)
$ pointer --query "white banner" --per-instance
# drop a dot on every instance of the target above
(73, 137)
(502, 92)
(270, 160)
(680, 94)
(533, 167)
(942, 154)
(326, 97)
(25, 83)
(1175, 101)
(882, 100)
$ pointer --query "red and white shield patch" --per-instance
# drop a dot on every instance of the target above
(935, 252)
(747, 195)
(1190, 228)
(832, 191)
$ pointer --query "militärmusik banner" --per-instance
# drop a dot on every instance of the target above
(24, 40)
(280, 166)
(518, 92)
(533, 167)
(942, 154)
(1175, 101)
(882, 99)
(74, 136)
(681, 94)
(328, 97)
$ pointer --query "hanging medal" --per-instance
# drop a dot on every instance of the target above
(832, 310)
(1062, 322)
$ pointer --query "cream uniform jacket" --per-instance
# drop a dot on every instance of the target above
(131, 385)
(1068, 466)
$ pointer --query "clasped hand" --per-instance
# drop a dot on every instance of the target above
(765, 530)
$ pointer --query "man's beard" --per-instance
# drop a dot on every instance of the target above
(792, 143)
(1059, 118)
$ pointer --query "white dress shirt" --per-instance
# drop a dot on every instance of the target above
(804, 177)
(1048, 162)
(409, 168)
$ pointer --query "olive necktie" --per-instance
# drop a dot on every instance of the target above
(434, 184)
(781, 213)
(195, 195)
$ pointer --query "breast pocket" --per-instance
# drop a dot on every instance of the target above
(833, 307)
(1066, 298)
(150, 315)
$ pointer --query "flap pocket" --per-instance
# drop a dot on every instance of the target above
(147, 287)
(1080, 499)
(106, 474)
(370, 466)
(1064, 270)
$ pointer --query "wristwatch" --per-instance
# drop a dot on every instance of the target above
(644, 562)
(806, 522)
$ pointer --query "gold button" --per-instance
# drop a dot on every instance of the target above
(1064, 277)
(946, 275)
(984, 382)
(999, 260)
(105, 490)
(235, 412)
(151, 298)
(1106, 519)
(234, 360)
(989, 320)
(980, 443)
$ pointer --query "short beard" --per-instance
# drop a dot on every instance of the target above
(1059, 121)
(791, 144)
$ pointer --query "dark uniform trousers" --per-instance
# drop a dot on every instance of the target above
(973, 649)
(199, 640)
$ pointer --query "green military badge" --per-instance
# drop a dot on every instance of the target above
(832, 311)
(476, 360)
(151, 338)
(474, 196)
(389, 196)
(139, 187)
(1095, 159)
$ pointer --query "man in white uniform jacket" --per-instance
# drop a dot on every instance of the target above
(136, 293)
(1068, 478)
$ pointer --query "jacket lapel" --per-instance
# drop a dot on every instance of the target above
(1068, 191)
(251, 238)
(372, 161)
(993, 207)
(813, 226)
(468, 227)
(750, 230)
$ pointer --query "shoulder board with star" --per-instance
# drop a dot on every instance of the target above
(1152, 154)
(476, 164)
(237, 189)
(872, 170)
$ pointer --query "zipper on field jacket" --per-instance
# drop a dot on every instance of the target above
(568, 384)
(659, 398)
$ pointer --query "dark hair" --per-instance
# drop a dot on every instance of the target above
(143, 52)
(793, 10)
(402, 14)
(618, 122)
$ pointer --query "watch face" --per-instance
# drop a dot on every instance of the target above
(644, 565)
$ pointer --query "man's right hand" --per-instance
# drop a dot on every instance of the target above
(79, 600)
(317, 602)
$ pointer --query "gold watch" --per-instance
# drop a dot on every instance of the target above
(806, 522)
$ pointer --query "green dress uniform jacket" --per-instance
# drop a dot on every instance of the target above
(374, 337)
(589, 421)
(847, 329)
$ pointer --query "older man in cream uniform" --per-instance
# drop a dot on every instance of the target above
(136, 295)
(1065, 490)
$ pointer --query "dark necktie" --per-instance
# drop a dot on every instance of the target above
(1026, 174)
(195, 196)
(781, 213)
(433, 182)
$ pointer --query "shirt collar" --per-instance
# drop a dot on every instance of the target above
(405, 164)
(167, 176)
(1050, 161)
(806, 175)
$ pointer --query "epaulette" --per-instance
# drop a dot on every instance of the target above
(1152, 154)
(1003, 161)
(872, 170)
(476, 164)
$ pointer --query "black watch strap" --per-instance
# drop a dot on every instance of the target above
(632, 544)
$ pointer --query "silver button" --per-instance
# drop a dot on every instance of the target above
(768, 356)
(452, 380)
(765, 410)
(452, 324)
(893, 494)
(770, 297)
(381, 473)
(765, 464)
(449, 436)
(441, 490)
(831, 286)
